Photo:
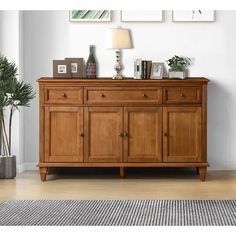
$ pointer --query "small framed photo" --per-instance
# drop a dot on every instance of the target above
(61, 68)
(157, 70)
(76, 66)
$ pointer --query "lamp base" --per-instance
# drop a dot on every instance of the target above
(117, 76)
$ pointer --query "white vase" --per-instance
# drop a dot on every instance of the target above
(176, 74)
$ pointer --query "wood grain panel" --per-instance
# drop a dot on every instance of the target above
(102, 134)
(182, 134)
(63, 127)
(122, 95)
(182, 94)
(63, 95)
(143, 142)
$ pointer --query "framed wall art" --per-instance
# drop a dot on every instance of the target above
(193, 16)
(141, 16)
(76, 66)
(61, 68)
(89, 15)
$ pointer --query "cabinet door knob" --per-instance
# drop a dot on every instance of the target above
(103, 95)
(125, 134)
(63, 95)
(145, 95)
(81, 135)
(166, 134)
(121, 135)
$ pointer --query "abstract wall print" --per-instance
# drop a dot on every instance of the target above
(141, 16)
(193, 16)
(90, 15)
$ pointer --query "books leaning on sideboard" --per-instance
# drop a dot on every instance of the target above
(146, 69)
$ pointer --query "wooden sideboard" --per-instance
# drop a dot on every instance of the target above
(123, 123)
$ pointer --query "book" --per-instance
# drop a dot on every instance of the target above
(144, 69)
(138, 69)
(149, 67)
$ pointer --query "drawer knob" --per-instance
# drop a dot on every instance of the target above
(63, 95)
(145, 95)
(182, 95)
(121, 135)
(103, 95)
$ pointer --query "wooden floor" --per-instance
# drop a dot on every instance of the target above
(106, 184)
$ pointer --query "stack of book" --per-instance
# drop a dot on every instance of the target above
(142, 69)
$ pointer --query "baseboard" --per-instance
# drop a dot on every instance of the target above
(225, 166)
(26, 166)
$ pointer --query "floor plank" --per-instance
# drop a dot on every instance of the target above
(106, 184)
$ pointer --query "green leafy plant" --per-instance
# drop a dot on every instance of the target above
(177, 63)
(13, 94)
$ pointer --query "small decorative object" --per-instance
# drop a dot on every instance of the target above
(138, 69)
(119, 39)
(193, 16)
(13, 95)
(76, 65)
(61, 68)
(91, 72)
(141, 16)
(177, 66)
(157, 70)
(90, 15)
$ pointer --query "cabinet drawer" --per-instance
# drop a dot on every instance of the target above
(64, 95)
(122, 95)
(182, 95)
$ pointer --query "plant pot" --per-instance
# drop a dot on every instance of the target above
(176, 74)
(7, 167)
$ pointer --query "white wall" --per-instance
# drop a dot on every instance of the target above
(49, 35)
(10, 46)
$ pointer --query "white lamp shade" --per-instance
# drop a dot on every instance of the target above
(119, 39)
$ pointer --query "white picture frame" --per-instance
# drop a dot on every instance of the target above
(141, 16)
(193, 16)
(89, 15)
(157, 70)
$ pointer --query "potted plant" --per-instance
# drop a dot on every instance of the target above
(13, 94)
(178, 66)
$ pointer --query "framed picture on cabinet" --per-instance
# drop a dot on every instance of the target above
(76, 66)
(61, 68)
(141, 16)
(157, 70)
(89, 15)
(193, 16)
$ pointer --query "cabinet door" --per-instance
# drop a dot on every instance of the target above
(143, 134)
(63, 134)
(103, 142)
(182, 134)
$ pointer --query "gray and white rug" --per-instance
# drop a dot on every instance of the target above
(118, 212)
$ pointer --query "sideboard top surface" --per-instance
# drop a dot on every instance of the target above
(107, 80)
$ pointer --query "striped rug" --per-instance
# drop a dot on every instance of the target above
(118, 212)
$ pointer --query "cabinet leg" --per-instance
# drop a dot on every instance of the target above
(43, 173)
(122, 172)
(197, 170)
(202, 173)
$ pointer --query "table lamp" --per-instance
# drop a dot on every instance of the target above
(118, 39)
